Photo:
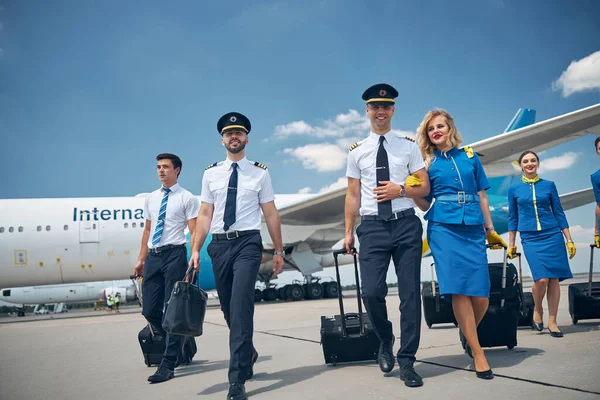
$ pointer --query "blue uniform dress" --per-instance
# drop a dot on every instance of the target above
(595, 178)
(455, 223)
(535, 211)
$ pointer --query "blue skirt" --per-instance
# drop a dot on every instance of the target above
(546, 253)
(460, 258)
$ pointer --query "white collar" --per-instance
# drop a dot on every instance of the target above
(241, 164)
(173, 188)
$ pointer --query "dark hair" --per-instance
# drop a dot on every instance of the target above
(174, 159)
(596, 142)
(528, 152)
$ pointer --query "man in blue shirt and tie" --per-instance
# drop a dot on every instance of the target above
(234, 192)
(163, 256)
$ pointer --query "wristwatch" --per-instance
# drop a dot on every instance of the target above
(279, 253)
(402, 191)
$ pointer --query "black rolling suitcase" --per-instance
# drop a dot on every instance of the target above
(151, 342)
(435, 309)
(499, 324)
(584, 298)
(349, 336)
(526, 317)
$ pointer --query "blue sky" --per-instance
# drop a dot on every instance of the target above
(92, 91)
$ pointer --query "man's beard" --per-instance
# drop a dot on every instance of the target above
(236, 150)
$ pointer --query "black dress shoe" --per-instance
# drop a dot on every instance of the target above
(410, 377)
(485, 374)
(385, 358)
(254, 358)
(556, 334)
(237, 391)
(162, 374)
(538, 326)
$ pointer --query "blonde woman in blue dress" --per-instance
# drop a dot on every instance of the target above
(534, 210)
(459, 222)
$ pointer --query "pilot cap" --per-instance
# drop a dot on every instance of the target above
(381, 93)
(233, 120)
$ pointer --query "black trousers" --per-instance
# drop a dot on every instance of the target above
(161, 271)
(235, 266)
(401, 240)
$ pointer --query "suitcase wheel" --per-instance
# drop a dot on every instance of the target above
(455, 323)
(574, 319)
(510, 346)
(429, 325)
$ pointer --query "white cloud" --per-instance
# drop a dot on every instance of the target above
(564, 161)
(324, 157)
(582, 75)
(305, 190)
(340, 183)
(341, 125)
(293, 128)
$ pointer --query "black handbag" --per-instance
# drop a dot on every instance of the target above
(185, 310)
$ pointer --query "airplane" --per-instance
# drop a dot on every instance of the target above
(68, 293)
(67, 240)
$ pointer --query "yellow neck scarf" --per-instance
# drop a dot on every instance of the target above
(533, 180)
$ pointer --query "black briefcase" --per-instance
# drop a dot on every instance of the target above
(584, 298)
(348, 337)
(185, 310)
(435, 309)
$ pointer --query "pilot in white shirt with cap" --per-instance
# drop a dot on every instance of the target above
(378, 169)
(234, 192)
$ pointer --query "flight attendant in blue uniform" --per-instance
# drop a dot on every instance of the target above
(459, 222)
(535, 211)
(596, 185)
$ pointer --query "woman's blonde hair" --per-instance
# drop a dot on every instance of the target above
(427, 148)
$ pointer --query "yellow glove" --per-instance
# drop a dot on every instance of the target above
(494, 238)
(597, 241)
(571, 249)
(512, 252)
(412, 180)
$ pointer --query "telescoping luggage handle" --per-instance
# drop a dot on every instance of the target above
(433, 280)
(336, 253)
(592, 246)
(504, 263)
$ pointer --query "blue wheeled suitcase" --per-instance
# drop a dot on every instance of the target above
(349, 336)
(584, 298)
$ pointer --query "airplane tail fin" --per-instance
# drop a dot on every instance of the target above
(523, 117)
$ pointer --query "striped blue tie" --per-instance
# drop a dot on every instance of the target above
(161, 218)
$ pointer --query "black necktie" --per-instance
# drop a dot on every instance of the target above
(229, 217)
(384, 209)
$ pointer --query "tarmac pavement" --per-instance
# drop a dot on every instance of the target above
(98, 356)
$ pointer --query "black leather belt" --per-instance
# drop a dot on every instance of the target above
(160, 249)
(396, 215)
(234, 234)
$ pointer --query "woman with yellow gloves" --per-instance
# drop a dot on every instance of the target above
(534, 210)
(459, 222)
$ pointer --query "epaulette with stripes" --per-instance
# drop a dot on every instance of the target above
(212, 165)
(409, 138)
(259, 165)
(354, 145)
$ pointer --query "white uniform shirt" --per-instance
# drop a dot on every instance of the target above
(404, 158)
(254, 188)
(181, 207)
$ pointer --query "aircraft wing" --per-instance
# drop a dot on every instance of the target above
(578, 198)
(499, 151)
(324, 208)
